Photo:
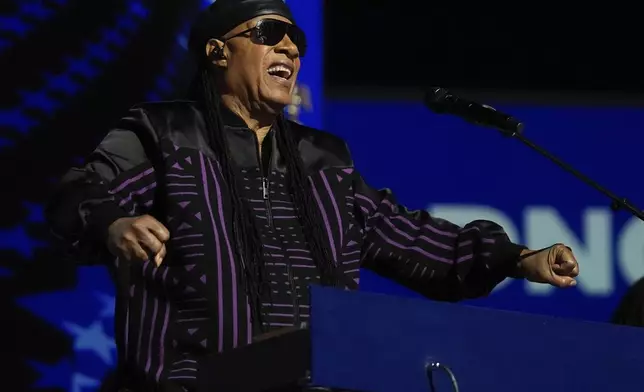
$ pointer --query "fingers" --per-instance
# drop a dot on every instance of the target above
(564, 267)
(562, 281)
(130, 248)
(140, 239)
(146, 238)
(158, 259)
(567, 262)
(575, 271)
(156, 228)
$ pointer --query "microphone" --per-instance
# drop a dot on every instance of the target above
(441, 101)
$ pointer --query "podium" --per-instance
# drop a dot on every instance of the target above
(356, 341)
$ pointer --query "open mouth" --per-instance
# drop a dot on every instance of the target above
(282, 71)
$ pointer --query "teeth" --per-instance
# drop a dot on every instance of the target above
(280, 68)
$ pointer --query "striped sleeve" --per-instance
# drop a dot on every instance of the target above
(434, 257)
(90, 198)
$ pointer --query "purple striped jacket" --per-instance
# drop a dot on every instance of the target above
(169, 318)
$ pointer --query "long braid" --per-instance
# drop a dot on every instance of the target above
(305, 204)
(246, 237)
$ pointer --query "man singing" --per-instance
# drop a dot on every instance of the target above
(216, 214)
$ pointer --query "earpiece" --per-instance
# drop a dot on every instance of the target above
(216, 53)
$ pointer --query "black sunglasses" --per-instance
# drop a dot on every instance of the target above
(271, 32)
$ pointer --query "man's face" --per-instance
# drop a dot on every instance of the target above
(263, 76)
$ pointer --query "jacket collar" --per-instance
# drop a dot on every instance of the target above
(230, 119)
(244, 144)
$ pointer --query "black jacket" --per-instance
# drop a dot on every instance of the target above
(169, 318)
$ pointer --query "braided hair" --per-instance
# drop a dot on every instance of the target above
(249, 253)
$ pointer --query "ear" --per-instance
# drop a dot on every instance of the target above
(215, 53)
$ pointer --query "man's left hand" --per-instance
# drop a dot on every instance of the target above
(555, 265)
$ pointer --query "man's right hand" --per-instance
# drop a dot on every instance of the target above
(138, 238)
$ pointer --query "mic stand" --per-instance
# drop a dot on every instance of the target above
(618, 203)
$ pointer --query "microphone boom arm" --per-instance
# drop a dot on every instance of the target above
(618, 203)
